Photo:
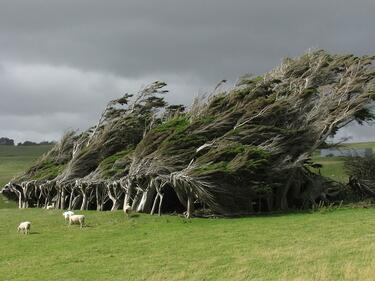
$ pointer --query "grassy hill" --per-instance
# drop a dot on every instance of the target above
(338, 245)
(333, 167)
(15, 159)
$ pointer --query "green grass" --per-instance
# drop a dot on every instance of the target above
(14, 160)
(338, 245)
(333, 167)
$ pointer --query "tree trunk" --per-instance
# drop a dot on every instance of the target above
(129, 189)
(148, 196)
(39, 198)
(71, 199)
(98, 203)
(75, 201)
(26, 188)
(58, 196)
(281, 194)
(190, 207)
(115, 205)
(62, 203)
(154, 205)
(160, 203)
(137, 199)
(19, 200)
(84, 201)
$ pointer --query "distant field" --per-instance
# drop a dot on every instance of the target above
(333, 167)
(15, 159)
(338, 245)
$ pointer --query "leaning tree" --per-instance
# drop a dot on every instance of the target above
(248, 148)
(238, 151)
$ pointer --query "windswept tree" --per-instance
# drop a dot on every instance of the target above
(248, 148)
(238, 151)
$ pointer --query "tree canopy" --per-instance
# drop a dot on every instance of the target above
(238, 151)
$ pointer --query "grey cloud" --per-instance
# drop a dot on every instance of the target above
(47, 99)
(134, 38)
(69, 57)
(357, 133)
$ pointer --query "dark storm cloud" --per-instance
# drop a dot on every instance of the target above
(67, 58)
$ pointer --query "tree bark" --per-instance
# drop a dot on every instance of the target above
(75, 202)
(160, 203)
(190, 207)
(62, 203)
(84, 201)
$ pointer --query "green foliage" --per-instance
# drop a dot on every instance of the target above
(180, 136)
(177, 124)
(111, 166)
(308, 92)
(364, 114)
(230, 151)
(372, 95)
(240, 93)
(221, 166)
(218, 103)
(286, 112)
(204, 120)
(47, 170)
(252, 160)
(248, 79)
(263, 189)
(182, 140)
(233, 158)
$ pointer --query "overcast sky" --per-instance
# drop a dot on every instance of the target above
(61, 61)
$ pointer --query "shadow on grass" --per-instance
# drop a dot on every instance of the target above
(77, 226)
(255, 214)
(132, 216)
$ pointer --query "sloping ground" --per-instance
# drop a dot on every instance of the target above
(14, 160)
(338, 245)
(333, 167)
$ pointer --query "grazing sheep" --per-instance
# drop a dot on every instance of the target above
(49, 207)
(67, 214)
(127, 209)
(24, 227)
(77, 219)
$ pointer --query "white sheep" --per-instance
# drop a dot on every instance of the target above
(24, 227)
(49, 207)
(77, 219)
(67, 214)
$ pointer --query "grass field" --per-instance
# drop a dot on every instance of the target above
(333, 167)
(338, 245)
(14, 160)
